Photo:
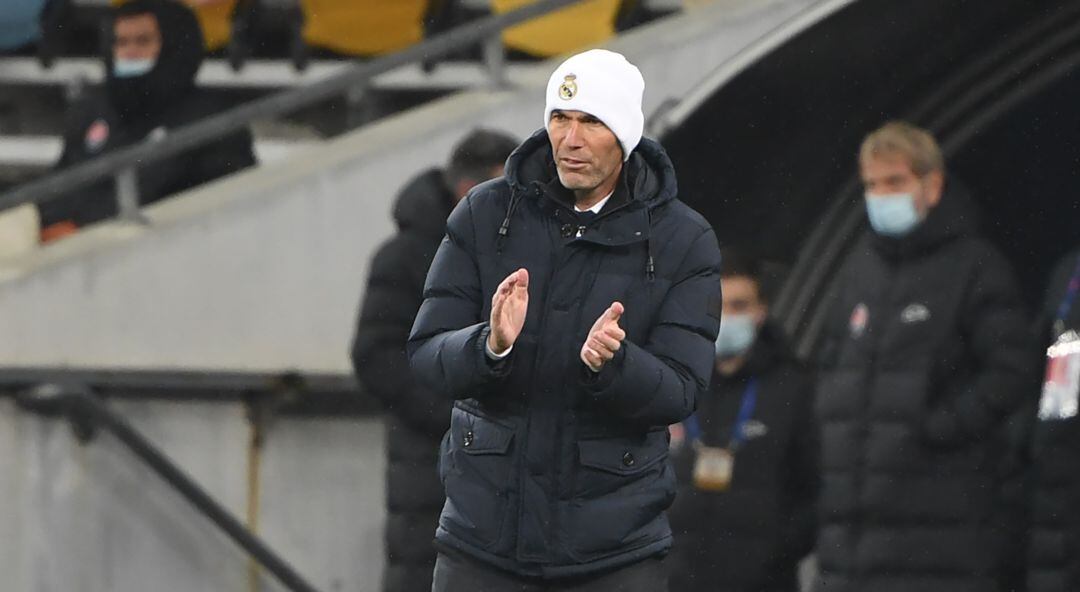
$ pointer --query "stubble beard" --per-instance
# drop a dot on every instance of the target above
(578, 181)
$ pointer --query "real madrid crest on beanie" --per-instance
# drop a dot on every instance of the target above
(605, 85)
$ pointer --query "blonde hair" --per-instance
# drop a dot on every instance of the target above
(903, 139)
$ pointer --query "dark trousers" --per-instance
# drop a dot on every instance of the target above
(456, 573)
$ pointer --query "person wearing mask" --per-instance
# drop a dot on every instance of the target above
(156, 51)
(570, 315)
(744, 514)
(1053, 563)
(416, 416)
(926, 355)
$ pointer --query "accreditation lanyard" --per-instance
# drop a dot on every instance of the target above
(746, 411)
(1068, 300)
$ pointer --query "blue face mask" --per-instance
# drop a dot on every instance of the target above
(125, 68)
(737, 334)
(892, 215)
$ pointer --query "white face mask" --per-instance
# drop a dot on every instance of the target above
(125, 68)
(893, 214)
(737, 334)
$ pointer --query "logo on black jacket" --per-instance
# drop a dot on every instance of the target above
(754, 429)
(860, 318)
(96, 135)
(915, 313)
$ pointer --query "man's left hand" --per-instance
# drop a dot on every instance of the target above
(605, 338)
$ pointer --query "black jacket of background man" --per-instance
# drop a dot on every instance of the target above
(1054, 548)
(751, 537)
(551, 470)
(926, 355)
(417, 417)
(130, 109)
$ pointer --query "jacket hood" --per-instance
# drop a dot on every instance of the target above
(424, 204)
(173, 75)
(649, 174)
(955, 216)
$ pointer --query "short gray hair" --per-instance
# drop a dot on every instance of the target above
(914, 143)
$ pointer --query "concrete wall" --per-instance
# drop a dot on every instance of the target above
(92, 518)
(264, 270)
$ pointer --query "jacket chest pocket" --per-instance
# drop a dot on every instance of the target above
(620, 489)
(478, 480)
(611, 464)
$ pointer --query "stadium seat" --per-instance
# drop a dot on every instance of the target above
(19, 23)
(566, 30)
(215, 18)
(363, 27)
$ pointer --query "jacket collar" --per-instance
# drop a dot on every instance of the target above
(648, 175)
(622, 221)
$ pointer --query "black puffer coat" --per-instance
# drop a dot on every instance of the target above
(1054, 548)
(926, 355)
(751, 537)
(550, 470)
(417, 417)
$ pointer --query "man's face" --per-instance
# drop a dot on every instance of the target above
(136, 37)
(587, 153)
(891, 174)
(741, 296)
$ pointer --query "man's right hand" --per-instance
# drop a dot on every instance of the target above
(508, 308)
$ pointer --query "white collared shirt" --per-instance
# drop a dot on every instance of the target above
(596, 208)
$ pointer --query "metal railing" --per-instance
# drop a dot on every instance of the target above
(123, 163)
(79, 397)
(88, 413)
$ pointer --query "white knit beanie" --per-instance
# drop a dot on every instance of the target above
(605, 85)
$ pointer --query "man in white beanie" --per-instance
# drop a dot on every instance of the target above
(570, 314)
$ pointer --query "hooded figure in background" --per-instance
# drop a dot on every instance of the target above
(156, 51)
(416, 416)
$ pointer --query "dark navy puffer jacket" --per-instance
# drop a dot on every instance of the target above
(549, 469)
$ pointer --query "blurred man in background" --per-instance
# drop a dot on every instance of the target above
(926, 354)
(417, 417)
(1053, 560)
(744, 515)
(157, 48)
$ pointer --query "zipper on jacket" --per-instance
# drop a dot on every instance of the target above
(523, 466)
(870, 381)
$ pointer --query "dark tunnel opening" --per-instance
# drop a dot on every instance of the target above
(1025, 171)
(769, 153)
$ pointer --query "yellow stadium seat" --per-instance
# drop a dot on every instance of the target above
(363, 27)
(215, 19)
(563, 31)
